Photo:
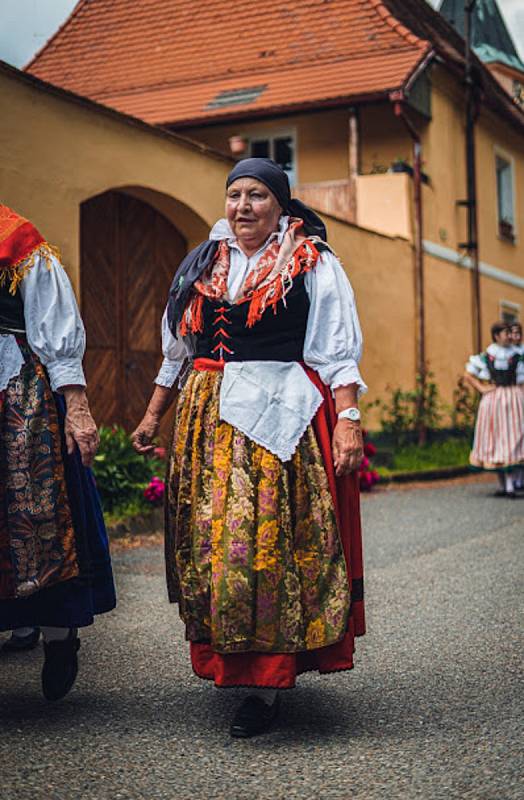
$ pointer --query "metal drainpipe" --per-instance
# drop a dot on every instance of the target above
(420, 311)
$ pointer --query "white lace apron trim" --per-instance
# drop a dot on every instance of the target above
(11, 359)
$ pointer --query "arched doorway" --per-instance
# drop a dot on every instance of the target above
(129, 252)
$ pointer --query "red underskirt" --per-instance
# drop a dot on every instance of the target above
(279, 670)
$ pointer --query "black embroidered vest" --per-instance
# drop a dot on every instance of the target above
(275, 337)
(11, 310)
(503, 377)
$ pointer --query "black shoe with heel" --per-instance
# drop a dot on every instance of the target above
(253, 717)
(60, 666)
(17, 644)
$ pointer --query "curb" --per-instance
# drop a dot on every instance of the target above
(426, 475)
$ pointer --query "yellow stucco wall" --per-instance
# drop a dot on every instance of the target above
(444, 155)
(58, 152)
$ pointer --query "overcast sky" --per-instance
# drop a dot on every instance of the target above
(25, 25)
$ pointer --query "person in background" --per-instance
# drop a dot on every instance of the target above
(55, 569)
(498, 374)
(263, 541)
(516, 338)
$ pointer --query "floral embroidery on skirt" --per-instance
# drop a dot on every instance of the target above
(253, 552)
(37, 543)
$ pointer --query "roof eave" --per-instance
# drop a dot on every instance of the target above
(280, 109)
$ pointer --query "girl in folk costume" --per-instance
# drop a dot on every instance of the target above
(498, 374)
(55, 570)
(263, 542)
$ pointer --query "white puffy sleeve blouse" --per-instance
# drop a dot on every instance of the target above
(54, 329)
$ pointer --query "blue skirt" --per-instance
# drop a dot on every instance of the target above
(74, 602)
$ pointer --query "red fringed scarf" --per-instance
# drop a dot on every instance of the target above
(19, 244)
(267, 283)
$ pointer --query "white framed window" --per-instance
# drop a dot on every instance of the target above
(505, 177)
(509, 312)
(280, 146)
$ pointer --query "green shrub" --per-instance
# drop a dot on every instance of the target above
(465, 407)
(406, 412)
(121, 473)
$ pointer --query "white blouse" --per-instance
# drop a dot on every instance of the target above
(54, 328)
(280, 392)
(477, 366)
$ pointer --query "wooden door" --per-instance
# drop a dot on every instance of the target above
(129, 255)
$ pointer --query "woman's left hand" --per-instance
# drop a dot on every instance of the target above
(348, 447)
(79, 426)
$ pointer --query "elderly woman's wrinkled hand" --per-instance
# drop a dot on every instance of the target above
(348, 447)
(143, 437)
(80, 427)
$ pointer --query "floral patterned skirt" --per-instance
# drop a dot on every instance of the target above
(55, 567)
(253, 552)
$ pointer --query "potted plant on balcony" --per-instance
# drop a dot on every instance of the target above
(506, 229)
(401, 165)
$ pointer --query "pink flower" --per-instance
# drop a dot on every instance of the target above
(370, 450)
(160, 452)
(154, 493)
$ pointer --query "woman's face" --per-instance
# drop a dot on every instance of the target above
(516, 334)
(252, 212)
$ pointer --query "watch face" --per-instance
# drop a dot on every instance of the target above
(352, 414)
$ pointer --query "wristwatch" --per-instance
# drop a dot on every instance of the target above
(353, 414)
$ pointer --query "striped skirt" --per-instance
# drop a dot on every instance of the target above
(499, 429)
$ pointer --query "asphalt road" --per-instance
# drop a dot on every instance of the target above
(433, 708)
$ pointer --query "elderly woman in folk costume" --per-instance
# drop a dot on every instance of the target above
(55, 570)
(498, 374)
(263, 542)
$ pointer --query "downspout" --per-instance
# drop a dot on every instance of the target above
(398, 99)
(472, 245)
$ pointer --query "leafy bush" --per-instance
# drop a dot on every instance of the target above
(406, 412)
(465, 406)
(123, 475)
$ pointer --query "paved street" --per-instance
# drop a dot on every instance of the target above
(431, 710)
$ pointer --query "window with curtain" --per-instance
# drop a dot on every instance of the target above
(506, 211)
(281, 148)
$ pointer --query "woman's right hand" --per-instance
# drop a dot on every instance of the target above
(487, 388)
(143, 437)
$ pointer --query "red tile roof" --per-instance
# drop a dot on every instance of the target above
(166, 62)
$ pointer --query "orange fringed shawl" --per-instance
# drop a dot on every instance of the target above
(20, 242)
(266, 284)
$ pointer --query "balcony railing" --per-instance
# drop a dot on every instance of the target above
(336, 198)
(377, 202)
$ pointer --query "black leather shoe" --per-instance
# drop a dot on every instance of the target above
(18, 643)
(60, 666)
(253, 717)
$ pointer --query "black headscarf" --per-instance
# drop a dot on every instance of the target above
(193, 265)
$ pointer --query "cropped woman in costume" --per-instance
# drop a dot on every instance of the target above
(518, 346)
(263, 541)
(498, 374)
(55, 570)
